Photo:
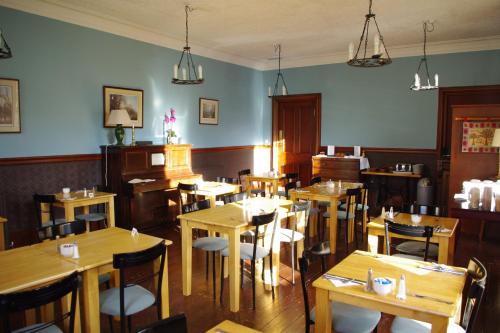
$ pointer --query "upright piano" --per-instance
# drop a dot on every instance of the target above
(145, 179)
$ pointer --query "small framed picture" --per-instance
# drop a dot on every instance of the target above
(10, 114)
(132, 100)
(209, 111)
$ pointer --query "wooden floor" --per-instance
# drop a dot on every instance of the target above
(286, 312)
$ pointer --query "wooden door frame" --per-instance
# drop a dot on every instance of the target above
(316, 97)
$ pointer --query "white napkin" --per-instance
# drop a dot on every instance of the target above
(341, 282)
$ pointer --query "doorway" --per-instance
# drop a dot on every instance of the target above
(296, 133)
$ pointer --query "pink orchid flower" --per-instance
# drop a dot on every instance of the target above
(167, 119)
(172, 112)
(172, 119)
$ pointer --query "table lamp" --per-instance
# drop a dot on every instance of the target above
(496, 143)
(119, 118)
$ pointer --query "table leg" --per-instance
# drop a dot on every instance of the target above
(165, 301)
(248, 185)
(187, 256)
(372, 242)
(445, 254)
(300, 244)
(234, 270)
(111, 212)
(440, 325)
(350, 225)
(90, 297)
(333, 225)
(69, 212)
(323, 312)
(275, 187)
(66, 307)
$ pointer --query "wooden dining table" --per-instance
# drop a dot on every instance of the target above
(230, 221)
(228, 326)
(322, 192)
(77, 199)
(210, 190)
(274, 180)
(96, 251)
(432, 296)
(445, 236)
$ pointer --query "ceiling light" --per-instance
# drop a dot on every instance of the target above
(284, 89)
(188, 73)
(417, 84)
(5, 51)
(360, 59)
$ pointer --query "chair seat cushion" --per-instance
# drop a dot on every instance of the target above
(417, 248)
(323, 203)
(286, 235)
(246, 252)
(341, 215)
(351, 319)
(57, 221)
(210, 243)
(92, 217)
(35, 327)
(258, 191)
(403, 325)
(137, 299)
(281, 193)
(358, 206)
(320, 249)
(409, 256)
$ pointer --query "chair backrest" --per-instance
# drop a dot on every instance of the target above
(187, 189)
(423, 209)
(122, 261)
(177, 324)
(234, 197)
(408, 230)
(289, 186)
(62, 230)
(227, 180)
(291, 177)
(315, 180)
(49, 200)
(195, 206)
(306, 280)
(297, 208)
(244, 172)
(353, 196)
(478, 273)
(21, 301)
(263, 220)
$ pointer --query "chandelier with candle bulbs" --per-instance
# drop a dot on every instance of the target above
(424, 82)
(380, 56)
(185, 72)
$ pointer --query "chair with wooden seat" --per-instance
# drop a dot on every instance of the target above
(207, 244)
(177, 324)
(44, 206)
(254, 191)
(345, 318)
(424, 232)
(131, 298)
(291, 236)
(292, 177)
(254, 252)
(32, 299)
(478, 274)
(99, 216)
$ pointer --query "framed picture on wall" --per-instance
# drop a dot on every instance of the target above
(209, 111)
(10, 114)
(131, 100)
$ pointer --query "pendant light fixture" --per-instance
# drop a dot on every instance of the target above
(417, 83)
(284, 88)
(360, 59)
(187, 71)
(5, 51)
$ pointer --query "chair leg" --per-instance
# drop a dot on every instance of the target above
(242, 263)
(129, 322)
(213, 273)
(110, 321)
(292, 244)
(253, 282)
(206, 266)
(346, 235)
(221, 277)
(271, 270)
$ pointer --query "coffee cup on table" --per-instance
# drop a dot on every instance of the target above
(65, 192)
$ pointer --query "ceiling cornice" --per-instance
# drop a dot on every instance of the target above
(139, 33)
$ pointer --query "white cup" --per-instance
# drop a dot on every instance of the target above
(65, 192)
(474, 195)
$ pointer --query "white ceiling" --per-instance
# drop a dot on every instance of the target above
(311, 32)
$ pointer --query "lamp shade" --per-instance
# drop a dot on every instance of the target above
(119, 117)
(496, 138)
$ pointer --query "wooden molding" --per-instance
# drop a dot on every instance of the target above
(49, 159)
(220, 149)
(424, 151)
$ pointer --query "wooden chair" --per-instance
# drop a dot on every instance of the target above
(31, 299)
(254, 191)
(177, 324)
(61, 230)
(254, 252)
(407, 230)
(228, 180)
(207, 244)
(188, 191)
(48, 201)
(96, 217)
(131, 298)
(345, 318)
(292, 177)
(234, 197)
(478, 274)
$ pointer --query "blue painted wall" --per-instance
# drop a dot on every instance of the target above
(374, 107)
(63, 67)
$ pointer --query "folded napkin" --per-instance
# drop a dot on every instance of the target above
(340, 281)
(440, 228)
(442, 269)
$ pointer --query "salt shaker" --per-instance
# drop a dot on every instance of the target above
(85, 192)
(57, 244)
(369, 281)
(391, 213)
(402, 288)
(382, 213)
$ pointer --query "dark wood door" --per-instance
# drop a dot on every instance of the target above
(296, 133)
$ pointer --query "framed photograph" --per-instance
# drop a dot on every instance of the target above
(10, 116)
(209, 111)
(132, 100)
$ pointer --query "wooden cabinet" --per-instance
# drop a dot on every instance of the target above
(149, 204)
(336, 168)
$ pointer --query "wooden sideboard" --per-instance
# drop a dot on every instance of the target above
(151, 204)
(336, 168)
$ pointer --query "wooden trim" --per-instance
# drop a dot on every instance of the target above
(228, 148)
(424, 151)
(49, 159)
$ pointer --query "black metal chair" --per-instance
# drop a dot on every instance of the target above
(292, 177)
(254, 191)
(315, 180)
(478, 274)
(254, 252)
(207, 244)
(131, 298)
(188, 191)
(177, 324)
(47, 200)
(52, 231)
(234, 197)
(99, 216)
(407, 230)
(25, 300)
(345, 318)
(228, 180)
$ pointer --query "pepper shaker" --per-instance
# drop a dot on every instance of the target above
(369, 281)
(402, 288)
